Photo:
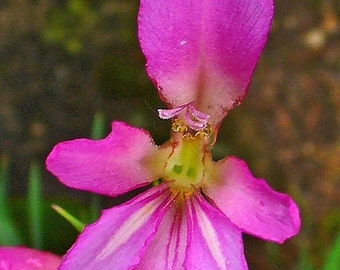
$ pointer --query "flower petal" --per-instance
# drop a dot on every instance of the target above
(203, 51)
(23, 258)
(110, 166)
(168, 247)
(215, 243)
(119, 238)
(251, 204)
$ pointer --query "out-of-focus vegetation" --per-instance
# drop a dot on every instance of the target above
(63, 61)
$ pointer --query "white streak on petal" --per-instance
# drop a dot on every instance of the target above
(128, 228)
(167, 250)
(177, 243)
(211, 238)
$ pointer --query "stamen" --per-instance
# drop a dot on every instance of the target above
(197, 114)
(195, 119)
(179, 126)
(170, 113)
(193, 123)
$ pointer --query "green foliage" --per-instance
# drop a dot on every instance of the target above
(97, 132)
(69, 25)
(44, 228)
(76, 223)
(9, 234)
(30, 221)
(98, 126)
(34, 206)
(333, 258)
(305, 262)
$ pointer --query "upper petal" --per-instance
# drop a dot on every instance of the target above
(23, 258)
(110, 166)
(251, 204)
(119, 238)
(215, 243)
(203, 51)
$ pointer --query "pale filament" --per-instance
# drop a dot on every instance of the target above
(195, 119)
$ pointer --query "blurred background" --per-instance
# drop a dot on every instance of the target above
(67, 64)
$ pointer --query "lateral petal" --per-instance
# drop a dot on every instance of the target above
(110, 166)
(215, 243)
(203, 51)
(251, 204)
(120, 237)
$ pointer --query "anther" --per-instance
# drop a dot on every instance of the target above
(194, 119)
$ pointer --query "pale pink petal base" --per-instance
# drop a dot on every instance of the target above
(251, 204)
(167, 249)
(215, 243)
(194, 235)
(111, 166)
(118, 239)
(23, 258)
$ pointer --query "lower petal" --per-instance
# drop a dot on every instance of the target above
(167, 249)
(251, 204)
(215, 243)
(121, 235)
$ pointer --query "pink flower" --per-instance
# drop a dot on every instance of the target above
(201, 55)
(23, 258)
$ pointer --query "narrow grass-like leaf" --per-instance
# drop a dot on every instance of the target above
(4, 179)
(97, 133)
(94, 207)
(305, 262)
(34, 204)
(9, 235)
(98, 126)
(76, 223)
(332, 261)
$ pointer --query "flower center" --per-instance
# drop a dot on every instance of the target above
(190, 159)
